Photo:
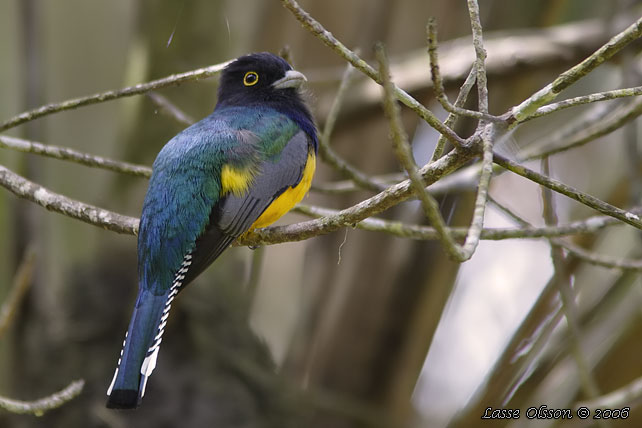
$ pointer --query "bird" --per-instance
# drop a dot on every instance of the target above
(240, 168)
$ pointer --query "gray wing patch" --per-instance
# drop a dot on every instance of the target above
(237, 213)
(233, 215)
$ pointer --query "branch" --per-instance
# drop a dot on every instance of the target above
(480, 55)
(64, 153)
(404, 155)
(598, 259)
(39, 407)
(586, 99)
(464, 91)
(549, 92)
(583, 198)
(577, 251)
(402, 230)
(52, 201)
(330, 220)
(326, 37)
(562, 279)
(589, 129)
(438, 84)
(119, 223)
(172, 80)
(326, 151)
(509, 53)
(364, 209)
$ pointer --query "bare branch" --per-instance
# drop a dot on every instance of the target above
(589, 129)
(575, 250)
(562, 278)
(572, 75)
(586, 99)
(510, 52)
(480, 55)
(109, 220)
(174, 79)
(599, 259)
(404, 155)
(52, 201)
(332, 220)
(402, 230)
(326, 151)
(438, 84)
(326, 37)
(42, 405)
(65, 153)
(559, 187)
(464, 91)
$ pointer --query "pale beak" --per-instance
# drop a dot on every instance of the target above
(292, 79)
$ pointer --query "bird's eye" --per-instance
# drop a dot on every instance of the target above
(251, 78)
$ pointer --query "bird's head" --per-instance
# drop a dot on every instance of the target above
(259, 78)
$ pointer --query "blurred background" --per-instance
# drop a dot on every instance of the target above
(354, 328)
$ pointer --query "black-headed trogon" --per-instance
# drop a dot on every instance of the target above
(242, 167)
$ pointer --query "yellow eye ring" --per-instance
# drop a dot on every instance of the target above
(251, 78)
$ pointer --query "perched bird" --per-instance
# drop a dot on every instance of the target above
(240, 168)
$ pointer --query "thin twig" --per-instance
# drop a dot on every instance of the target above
(438, 84)
(170, 109)
(21, 283)
(326, 151)
(559, 187)
(480, 56)
(464, 91)
(586, 99)
(589, 130)
(477, 223)
(599, 259)
(562, 278)
(174, 79)
(549, 92)
(575, 250)
(326, 37)
(65, 153)
(42, 405)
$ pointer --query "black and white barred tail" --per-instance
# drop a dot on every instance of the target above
(142, 343)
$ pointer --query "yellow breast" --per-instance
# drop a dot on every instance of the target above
(289, 198)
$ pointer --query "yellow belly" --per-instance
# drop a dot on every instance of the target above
(289, 198)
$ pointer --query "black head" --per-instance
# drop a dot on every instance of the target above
(264, 79)
(259, 78)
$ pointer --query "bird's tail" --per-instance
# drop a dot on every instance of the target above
(140, 349)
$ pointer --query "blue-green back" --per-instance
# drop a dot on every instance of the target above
(186, 183)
